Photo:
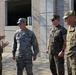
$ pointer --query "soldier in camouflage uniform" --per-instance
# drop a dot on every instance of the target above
(24, 40)
(70, 19)
(56, 46)
(2, 45)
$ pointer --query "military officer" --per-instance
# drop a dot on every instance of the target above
(24, 41)
(2, 45)
(56, 46)
(70, 20)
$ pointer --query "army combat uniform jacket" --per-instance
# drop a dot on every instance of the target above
(71, 40)
(57, 34)
(71, 50)
(26, 44)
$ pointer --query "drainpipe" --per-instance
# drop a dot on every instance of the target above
(71, 4)
(5, 12)
(46, 26)
(54, 6)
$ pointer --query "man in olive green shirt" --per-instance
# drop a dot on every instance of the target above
(70, 19)
(2, 45)
(56, 46)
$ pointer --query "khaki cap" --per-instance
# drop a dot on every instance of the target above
(21, 20)
(54, 17)
(69, 13)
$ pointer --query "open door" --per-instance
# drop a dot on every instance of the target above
(17, 9)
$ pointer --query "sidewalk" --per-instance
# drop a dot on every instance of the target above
(40, 66)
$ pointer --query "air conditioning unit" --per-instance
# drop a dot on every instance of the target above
(29, 20)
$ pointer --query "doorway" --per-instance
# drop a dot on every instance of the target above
(17, 9)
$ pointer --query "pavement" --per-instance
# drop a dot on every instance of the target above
(40, 66)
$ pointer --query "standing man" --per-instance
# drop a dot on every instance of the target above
(56, 46)
(24, 40)
(70, 19)
(2, 45)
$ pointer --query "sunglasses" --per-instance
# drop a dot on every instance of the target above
(65, 18)
(53, 20)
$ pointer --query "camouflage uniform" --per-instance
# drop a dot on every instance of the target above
(57, 34)
(71, 49)
(70, 18)
(23, 42)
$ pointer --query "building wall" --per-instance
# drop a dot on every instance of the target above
(42, 10)
(46, 11)
(36, 19)
(2, 17)
(60, 10)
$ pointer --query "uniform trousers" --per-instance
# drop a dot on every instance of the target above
(56, 65)
(71, 64)
(0, 67)
(24, 63)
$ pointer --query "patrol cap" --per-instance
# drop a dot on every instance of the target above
(54, 17)
(21, 20)
(69, 13)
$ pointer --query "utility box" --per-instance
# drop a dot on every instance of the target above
(29, 20)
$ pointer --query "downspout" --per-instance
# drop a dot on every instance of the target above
(55, 7)
(71, 5)
(46, 26)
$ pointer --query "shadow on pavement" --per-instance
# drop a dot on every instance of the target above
(40, 66)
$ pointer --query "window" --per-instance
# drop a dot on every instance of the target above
(18, 9)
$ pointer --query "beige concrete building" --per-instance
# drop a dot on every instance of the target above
(38, 12)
